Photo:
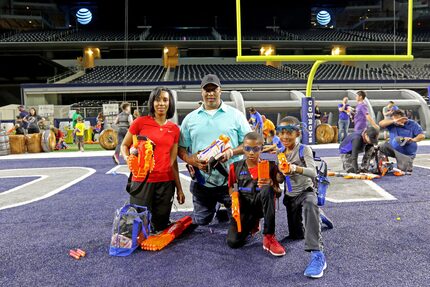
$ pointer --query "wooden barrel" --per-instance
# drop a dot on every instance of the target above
(4, 143)
(324, 134)
(336, 134)
(17, 144)
(108, 139)
(48, 141)
(34, 143)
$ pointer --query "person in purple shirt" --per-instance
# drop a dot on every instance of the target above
(404, 135)
(361, 115)
(344, 111)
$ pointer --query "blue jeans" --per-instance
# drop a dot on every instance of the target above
(343, 129)
(205, 200)
(121, 135)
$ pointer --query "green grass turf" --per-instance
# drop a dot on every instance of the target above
(87, 147)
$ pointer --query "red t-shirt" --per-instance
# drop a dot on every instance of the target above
(232, 175)
(164, 137)
(59, 135)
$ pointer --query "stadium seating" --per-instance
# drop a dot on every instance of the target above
(179, 34)
(205, 34)
(242, 72)
(115, 74)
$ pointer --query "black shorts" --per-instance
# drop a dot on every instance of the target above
(157, 197)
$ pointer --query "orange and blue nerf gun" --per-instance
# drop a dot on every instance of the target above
(283, 164)
(235, 207)
(284, 167)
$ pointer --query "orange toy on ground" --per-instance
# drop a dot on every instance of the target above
(159, 241)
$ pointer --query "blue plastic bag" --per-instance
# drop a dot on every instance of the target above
(131, 226)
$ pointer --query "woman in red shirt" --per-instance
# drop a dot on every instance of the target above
(158, 190)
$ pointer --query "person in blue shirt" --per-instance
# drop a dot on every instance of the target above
(256, 120)
(198, 130)
(344, 114)
(404, 135)
(356, 143)
(22, 114)
(273, 143)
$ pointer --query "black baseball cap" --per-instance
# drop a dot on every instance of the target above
(210, 79)
(373, 134)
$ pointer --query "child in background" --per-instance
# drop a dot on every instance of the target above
(273, 143)
(59, 139)
(300, 197)
(79, 130)
(256, 197)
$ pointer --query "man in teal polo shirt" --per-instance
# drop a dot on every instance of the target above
(198, 130)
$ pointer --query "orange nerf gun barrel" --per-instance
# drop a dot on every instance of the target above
(263, 169)
(235, 208)
(283, 164)
(158, 242)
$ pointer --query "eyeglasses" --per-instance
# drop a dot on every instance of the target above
(254, 149)
(288, 128)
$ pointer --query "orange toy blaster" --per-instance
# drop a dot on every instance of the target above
(141, 160)
(366, 176)
(283, 164)
(263, 169)
(235, 207)
(159, 241)
(215, 149)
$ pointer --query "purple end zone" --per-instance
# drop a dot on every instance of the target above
(379, 242)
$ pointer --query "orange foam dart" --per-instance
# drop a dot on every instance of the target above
(284, 165)
(81, 252)
(235, 209)
(158, 242)
(332, 173)
(73, 254)
(263, 169)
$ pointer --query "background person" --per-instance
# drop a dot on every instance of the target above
(123, 121)
(22, 114)
(33, 120)
(361, 114)
(256, 120)
(343, 123)
(404, 135)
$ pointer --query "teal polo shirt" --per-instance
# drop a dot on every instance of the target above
(199, 129)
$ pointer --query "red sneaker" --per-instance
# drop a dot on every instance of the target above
(272, 245)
